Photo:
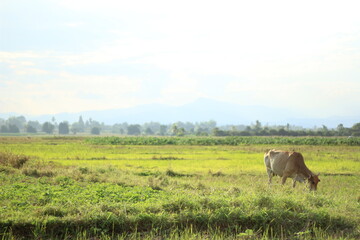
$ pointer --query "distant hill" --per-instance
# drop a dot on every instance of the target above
(201, 110)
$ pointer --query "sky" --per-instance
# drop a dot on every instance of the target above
(80, 55)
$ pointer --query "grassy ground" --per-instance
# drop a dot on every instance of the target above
(70, 188)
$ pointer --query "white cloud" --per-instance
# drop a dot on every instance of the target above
(61, 93)
(74, 24)
(310, 97)
(296, 52)
(181, 89)
(30, 71)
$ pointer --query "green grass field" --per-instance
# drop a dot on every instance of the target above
(79, 188)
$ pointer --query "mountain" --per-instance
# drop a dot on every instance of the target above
(201, 110)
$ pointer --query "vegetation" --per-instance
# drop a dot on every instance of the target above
(233, 141)
(95, 131)
(71, 188)
(48, 128)
(12, 160)
(16, 125)
(64, 128)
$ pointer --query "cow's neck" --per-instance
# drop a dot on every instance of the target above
(306, 172)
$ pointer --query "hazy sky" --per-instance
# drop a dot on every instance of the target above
(77, 55)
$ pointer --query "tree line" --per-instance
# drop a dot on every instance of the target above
(207, 128)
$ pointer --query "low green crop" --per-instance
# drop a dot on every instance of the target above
(233, 141)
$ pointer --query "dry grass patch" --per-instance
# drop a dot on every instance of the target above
(13, 160)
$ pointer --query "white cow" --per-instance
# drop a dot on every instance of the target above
(289, 164)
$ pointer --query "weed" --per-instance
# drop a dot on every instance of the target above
(166, 158)
(13, 160)
(33, 172)
(53, 211)
(84, 170)
(172, 173)
(216, 174)
(7, 170)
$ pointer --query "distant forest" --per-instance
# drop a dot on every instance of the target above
(19, 125)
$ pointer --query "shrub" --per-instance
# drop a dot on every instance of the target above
(30, 129)
(95, 131)
(32, 172)
(13, 160)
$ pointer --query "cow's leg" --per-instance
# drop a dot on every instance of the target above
(270, 174)
(268, 167)
(294, 183)
(284, 177)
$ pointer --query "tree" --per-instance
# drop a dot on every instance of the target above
(64, 128)
(273, 132)
(34, 124)
(53, 120)
(30, 129)
(177, 131)
(74, 128)
(201, 131)
(282, 132)
(264, 132)
(257, 127)
(134, 129)
(174, 129)
(163, 129)
(13, 128)
(340, 129)
(356, 130)
(217, 132)
(148, 131)
(19, 122)
(81, 125)
(4, 129)
(180, 132)
(245, 133)
(48, 127)
(356, 127)
(95, 131)
(233, 131)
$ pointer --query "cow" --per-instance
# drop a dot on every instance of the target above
(289, 164)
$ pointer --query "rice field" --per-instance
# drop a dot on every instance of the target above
(78, 188)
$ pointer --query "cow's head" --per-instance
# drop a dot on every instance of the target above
(313, 182)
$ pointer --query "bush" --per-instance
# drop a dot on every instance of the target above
(32, 172)
(63, 128)
(13, 160)
(48, 127)
(95, 131)
(30, 129)
(4, 129)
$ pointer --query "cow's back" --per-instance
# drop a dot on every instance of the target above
(278, 161)
(296, 163)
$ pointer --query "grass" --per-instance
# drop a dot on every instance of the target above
(70, 188)
(12, 160)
